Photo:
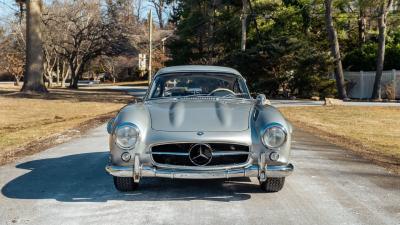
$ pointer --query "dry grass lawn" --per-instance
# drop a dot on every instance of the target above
(373, 132)
(31, 121)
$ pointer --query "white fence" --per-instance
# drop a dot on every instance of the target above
(362, 83)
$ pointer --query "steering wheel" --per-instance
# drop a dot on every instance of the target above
(220, 92)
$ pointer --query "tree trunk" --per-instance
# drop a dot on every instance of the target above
(72, 73)
(58, 70)
(254, 20)
(50, 83)
(16, 80)
(65, 77)
(381, 48)
(77, 73)
(160, 11)
(160, 18)
(33, 79)
(335, 50)
(244, 25)
(65, 73)
(362, 24)
(74, 83)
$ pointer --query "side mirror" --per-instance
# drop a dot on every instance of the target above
(110, 125)
(262, 100)
(139, 99)
(136, 100)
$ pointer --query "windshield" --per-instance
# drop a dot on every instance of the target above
(198, 84)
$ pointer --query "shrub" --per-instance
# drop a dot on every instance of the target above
(389, 91)
(258, 71)
(364, 58)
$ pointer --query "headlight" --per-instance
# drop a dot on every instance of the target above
(126, 135)
(274, 136)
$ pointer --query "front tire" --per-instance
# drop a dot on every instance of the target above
(272, 184)
(125, 184)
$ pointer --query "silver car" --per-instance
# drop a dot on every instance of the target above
(199, 122)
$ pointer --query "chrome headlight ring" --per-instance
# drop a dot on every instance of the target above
(274, 135)
(126, 135)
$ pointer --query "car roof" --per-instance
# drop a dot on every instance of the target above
(197, 68)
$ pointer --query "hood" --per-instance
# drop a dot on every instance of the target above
(200, 115)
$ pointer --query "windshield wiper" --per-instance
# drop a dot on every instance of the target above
(162, 97)
(178, 97)
(194, 95)
(236, 95)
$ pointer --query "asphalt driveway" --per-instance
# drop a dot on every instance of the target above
(67, 184)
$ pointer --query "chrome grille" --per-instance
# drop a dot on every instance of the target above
(222, 154)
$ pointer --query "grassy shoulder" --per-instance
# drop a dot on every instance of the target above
(29, 124)
(372, 132)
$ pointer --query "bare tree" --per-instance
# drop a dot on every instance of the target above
(383, 12)
(335, 50)
(80, 34)
(12, 48)
(50, 64)
(15, 66)
(159, 6)
(66, 72)
(33, 79)
(362, 22)
(12, 61)
(51, 57)
(110, 66)
(138, 9)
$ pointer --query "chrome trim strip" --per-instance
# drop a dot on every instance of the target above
(279, 171)
(222, 153)
(214, 153)
(248, 171)
(188, 142)
(120, 171)
(251, 171)
(204, 168)
(170, 153)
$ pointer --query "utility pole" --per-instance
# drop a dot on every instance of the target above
(244, 25)
(150, 20)
(163, 44)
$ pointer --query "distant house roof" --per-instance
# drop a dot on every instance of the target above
(197, 68)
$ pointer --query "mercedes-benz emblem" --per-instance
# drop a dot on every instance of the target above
(200, 154)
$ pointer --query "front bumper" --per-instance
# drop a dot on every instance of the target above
(249, 171)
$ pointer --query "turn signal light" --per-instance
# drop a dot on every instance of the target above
(126, 156)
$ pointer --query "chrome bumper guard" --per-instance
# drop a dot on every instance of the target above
(249, 171)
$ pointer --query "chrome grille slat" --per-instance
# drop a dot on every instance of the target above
(178, 154)
(214, 153)
(223, 153)
(170, 153)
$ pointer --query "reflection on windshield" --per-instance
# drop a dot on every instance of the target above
(198, 84)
